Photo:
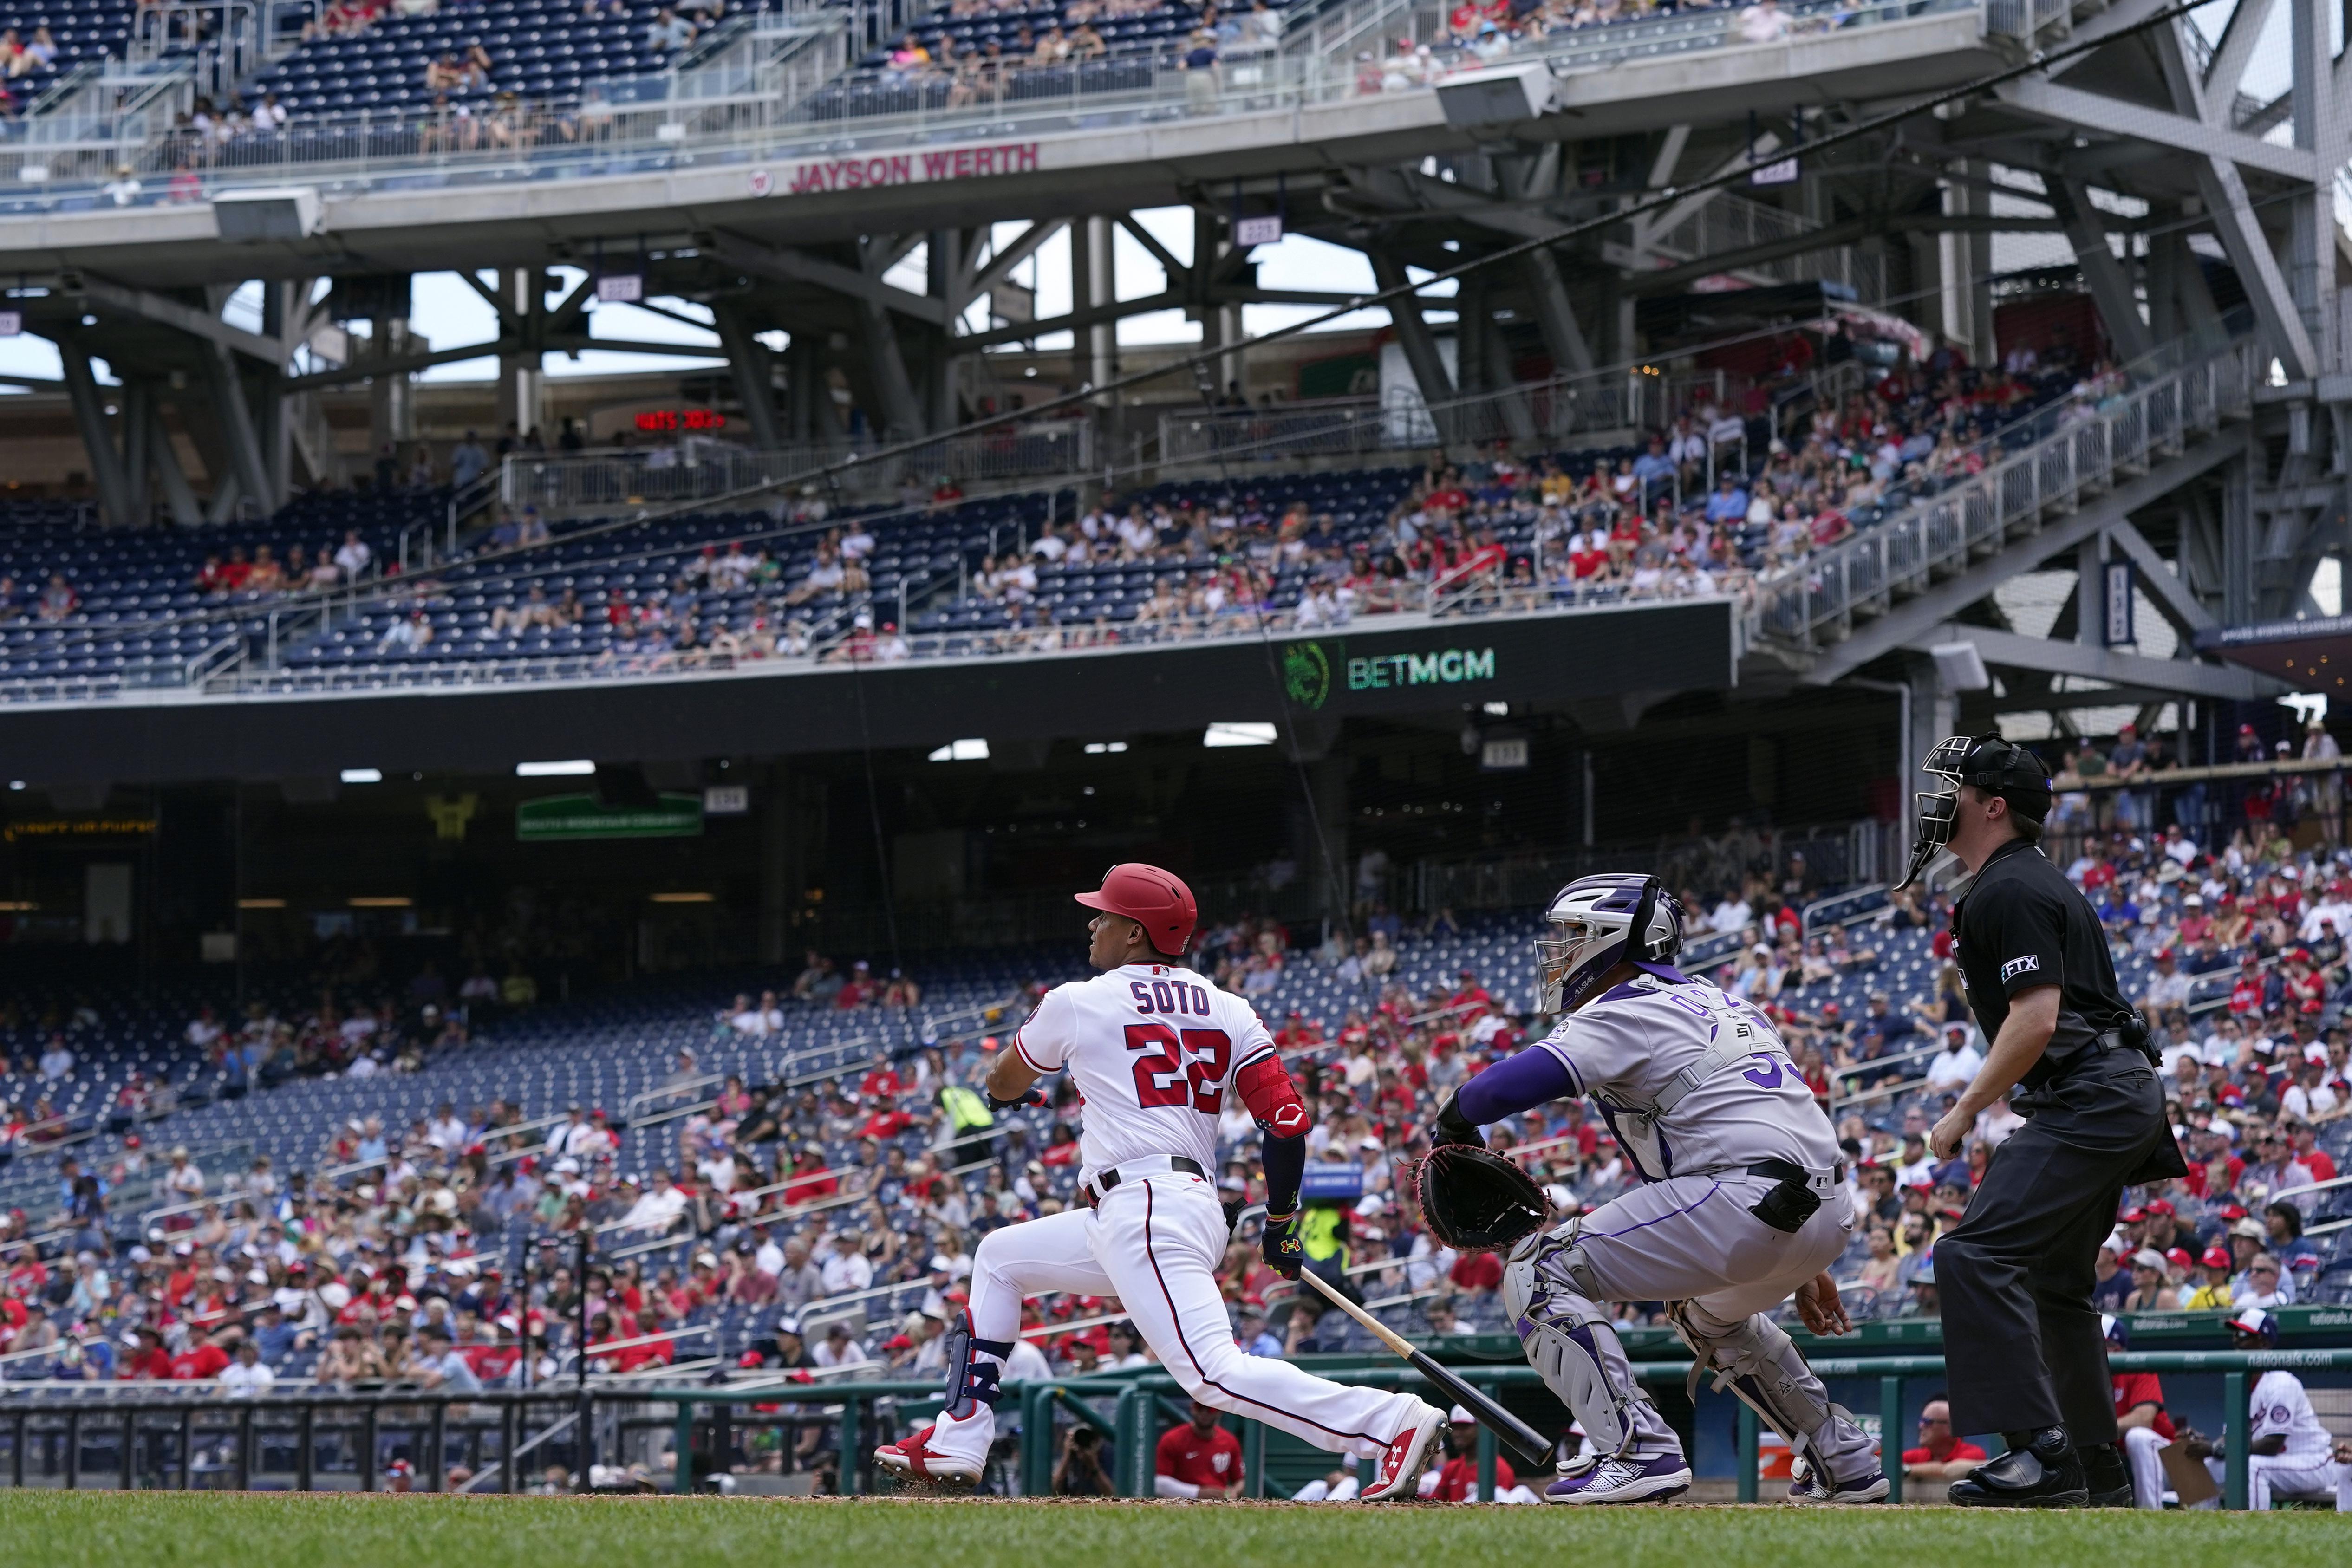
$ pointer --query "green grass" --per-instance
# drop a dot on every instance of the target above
(149, 1529)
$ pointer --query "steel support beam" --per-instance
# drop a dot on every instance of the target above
(1563, 337)
(367, 368)
(139, 427)
(2318, 135)
(2174, 677)
(226, 393)
(1413, 331)
(1083, 321)
(178, 495)
(999, 266)
(2111, 289)
(782, 266)
(2164, 586)
(748, 362)
(164, 311)
(2073, 107)
(2232, 211)
(1675, 280)
(901, 413)
(1916, 617)
(2233, 55)
(96, 438)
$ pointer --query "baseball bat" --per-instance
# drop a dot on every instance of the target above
(1532, 1447)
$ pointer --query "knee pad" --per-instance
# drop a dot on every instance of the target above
(1759, 1363)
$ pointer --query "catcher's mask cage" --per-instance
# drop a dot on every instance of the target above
(1994, 765)
(1598, 922)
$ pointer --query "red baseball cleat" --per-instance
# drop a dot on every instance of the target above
(1402, 1465)
(914, 1458)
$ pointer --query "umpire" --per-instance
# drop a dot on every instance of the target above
(2025, 1355)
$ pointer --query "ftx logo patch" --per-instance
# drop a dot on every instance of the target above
(2016, 966)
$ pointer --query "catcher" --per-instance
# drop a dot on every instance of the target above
(1740, 1172)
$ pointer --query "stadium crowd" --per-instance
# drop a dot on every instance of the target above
(815, 1228)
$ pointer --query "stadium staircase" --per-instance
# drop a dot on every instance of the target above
(2062, 475)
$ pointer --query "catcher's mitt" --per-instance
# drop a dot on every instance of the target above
(1476, 1201)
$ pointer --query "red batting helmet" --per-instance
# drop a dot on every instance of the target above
(1157, 900)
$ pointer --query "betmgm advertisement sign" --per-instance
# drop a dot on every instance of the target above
(1313, 671)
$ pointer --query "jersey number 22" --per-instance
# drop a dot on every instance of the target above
(1179, 1070)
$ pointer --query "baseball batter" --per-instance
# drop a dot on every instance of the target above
(1740, 1172)
(1155, 1048)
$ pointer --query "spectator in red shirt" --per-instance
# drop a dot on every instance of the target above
(2309, 1154)
(884, 1121)
(204, 1358)
(2147, 1429)
(149, 1362)
(811, 1179)
(1199, 1459)
(1469, 993)
(858, 990)
(1298, 1032)
(1479, 1272)
(1943, 1455)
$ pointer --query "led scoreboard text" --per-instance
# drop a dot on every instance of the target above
(671, 419)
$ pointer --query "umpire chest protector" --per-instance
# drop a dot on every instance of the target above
(2022, 925)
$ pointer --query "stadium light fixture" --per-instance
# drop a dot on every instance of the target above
(571, 770)
(1239, 735)
(17, 906)
(381, 902)
(362, 775)
(961, 751)
(287, 213)
(684, 898)
(1105, 748)
(261, 903)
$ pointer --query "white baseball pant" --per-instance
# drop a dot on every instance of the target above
(2269, 1476)
(2143, 1451)
(1155, 1243)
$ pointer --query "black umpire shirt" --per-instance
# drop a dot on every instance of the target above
(2022, 925)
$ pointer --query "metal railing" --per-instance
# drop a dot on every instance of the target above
(1553, 411)
(610, 134)
(2180, 390)
(326, 1439)
(707, 469)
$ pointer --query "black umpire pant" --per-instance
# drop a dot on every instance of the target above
(2021, 1342)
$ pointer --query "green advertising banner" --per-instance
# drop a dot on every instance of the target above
(560, 817)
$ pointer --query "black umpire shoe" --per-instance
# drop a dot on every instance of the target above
(2104, 1473)
(2039, 1470)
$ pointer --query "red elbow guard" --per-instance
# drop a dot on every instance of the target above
(1266, 1088)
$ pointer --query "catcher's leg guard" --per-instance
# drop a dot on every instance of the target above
(1569, 1340)
(1757, 1362)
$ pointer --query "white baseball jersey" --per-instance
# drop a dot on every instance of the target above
(2281, 1407)
(1153, 1048)
(1624, 1047)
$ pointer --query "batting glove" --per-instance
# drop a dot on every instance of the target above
(1279, 1244)
(1033, 1096)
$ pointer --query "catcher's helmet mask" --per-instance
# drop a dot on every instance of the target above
(1602, 922)
(1994, 765)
